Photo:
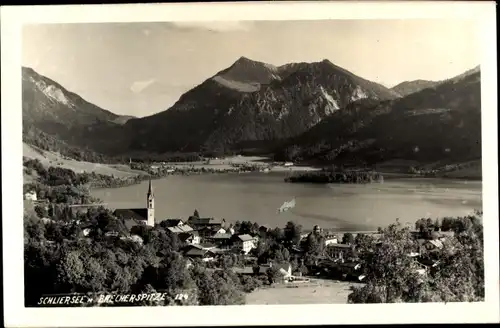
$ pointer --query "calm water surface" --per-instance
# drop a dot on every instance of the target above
(257, 196)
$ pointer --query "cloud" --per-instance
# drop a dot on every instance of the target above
(139, 86)
(216, 26)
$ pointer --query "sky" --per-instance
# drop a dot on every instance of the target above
(142, 68)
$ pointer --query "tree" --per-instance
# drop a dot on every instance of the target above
(348, 238)
(437, 225)
(292, 233)
(277, 234)
(390, 273)
(218, 288)
(314, 247)
(246, 227)
(196, 214)
(292, 152)
(273, 274)
(41, 211)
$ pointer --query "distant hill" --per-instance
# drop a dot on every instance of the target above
(56, 119)
(438, 124)
(409, 87)
(251, 104)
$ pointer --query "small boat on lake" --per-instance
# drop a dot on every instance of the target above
(286, 206)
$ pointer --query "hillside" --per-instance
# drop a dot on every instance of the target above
(409, 87)
(49, 158)
(59, 120)
(440, 124)
(251, 104)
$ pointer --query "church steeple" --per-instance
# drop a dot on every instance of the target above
(151, 205)
(150, 189)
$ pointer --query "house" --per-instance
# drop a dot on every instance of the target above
(220, 231)
(139, 215)
(285, 270)
(191, 237)
(429, 246)
(207, 232)
(244, 242)
(180, 229)
(172, 223)
(288, 164)
(30, 195)
(198, 252)
(331, 239)
(222, 240)
(340, 251)
(200, 223)
(206, 246)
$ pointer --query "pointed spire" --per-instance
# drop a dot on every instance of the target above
(150, 188)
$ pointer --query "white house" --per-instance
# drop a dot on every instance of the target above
(331, 239)
(30, 195)
(220, 231)
(245, 242)
(191, 237)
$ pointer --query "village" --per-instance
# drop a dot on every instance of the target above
(209, 240)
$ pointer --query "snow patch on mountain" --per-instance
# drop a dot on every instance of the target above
(237, 85)
(332, 103)
(358, 94)
(52, 91)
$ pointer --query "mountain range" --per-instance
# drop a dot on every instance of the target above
(436, 124)
(308, 110)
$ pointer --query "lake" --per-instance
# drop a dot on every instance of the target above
(257, 196)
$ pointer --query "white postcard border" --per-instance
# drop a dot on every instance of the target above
(12, 19)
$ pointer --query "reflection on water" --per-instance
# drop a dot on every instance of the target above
(256, 197)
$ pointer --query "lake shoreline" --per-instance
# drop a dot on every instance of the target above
(388, 175)
(257, 197)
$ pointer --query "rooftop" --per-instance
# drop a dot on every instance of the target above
(132, 213)
(222, 236)
(340, 245)
(172, 222)
(180, 229)
(245, 237)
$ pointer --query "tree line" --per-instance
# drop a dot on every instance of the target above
(330, 176)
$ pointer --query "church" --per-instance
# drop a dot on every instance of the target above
(136, 216)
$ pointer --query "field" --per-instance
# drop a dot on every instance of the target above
(54, 159)
(318, 292)
(228, 162)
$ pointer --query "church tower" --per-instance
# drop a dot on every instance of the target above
(151, 205)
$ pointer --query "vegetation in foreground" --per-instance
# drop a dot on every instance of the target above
(94, 253)
(393, 276)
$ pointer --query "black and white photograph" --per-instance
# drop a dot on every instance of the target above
(246, 160)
